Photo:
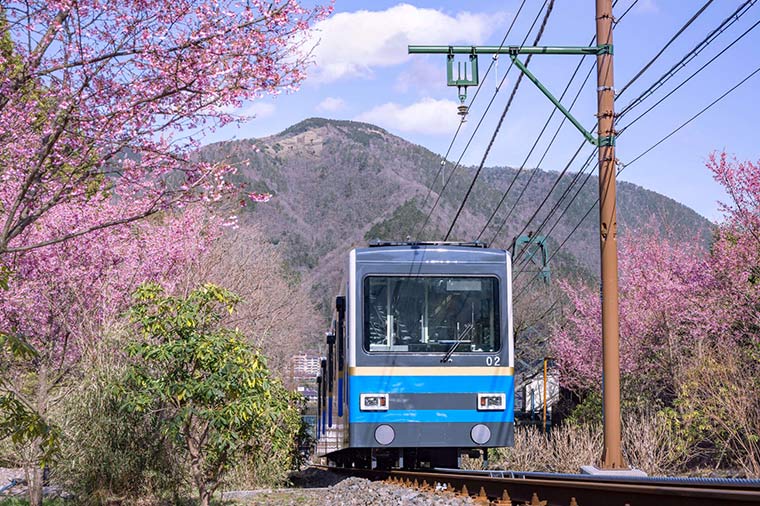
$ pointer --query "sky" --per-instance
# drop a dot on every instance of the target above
(361, 71)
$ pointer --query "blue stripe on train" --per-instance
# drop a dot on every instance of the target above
(430, 385)
(340, 394)
(428, 416)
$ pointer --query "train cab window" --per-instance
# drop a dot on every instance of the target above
(430, 314)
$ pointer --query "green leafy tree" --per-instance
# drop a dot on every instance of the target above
(212, 392)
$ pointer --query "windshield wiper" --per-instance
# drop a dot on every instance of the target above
(460, 338)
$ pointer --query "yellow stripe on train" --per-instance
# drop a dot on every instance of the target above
(431, 371)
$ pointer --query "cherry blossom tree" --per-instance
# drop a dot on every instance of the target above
(63, 297)
(736, 251)
(670, 301)
(108, 99)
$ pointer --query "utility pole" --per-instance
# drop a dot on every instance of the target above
(612, 456)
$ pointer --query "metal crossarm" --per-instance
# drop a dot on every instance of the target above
(462, 81)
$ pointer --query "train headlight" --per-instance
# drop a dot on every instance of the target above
(480, 434)
(384, 434)
(373, 402)
(492, 402)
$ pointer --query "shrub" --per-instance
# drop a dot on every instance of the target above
(211, 393)
(107, 453)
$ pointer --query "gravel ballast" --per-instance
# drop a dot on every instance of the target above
(318, 488)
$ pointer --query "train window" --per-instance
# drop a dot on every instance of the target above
(430, 314)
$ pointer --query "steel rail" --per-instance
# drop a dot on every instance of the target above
(586, 490)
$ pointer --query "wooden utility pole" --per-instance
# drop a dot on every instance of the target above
(612, 456)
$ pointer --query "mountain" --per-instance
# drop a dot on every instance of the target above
(338, 184)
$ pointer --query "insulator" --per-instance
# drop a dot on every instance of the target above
(462, 110)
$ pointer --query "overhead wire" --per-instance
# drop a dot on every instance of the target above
(551, 142)
(472, 100)
(711, 36)
(537, 39)
(535, 143)
(641, 155)
(700, 69)
(656, 85)
(690, 55)
(482, 117)
(698, 114)
(665, 47)
(532, 175)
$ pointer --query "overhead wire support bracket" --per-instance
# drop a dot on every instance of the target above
(513, 52)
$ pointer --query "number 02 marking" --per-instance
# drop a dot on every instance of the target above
(494, 361)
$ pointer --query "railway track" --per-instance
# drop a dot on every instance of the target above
(547, 489)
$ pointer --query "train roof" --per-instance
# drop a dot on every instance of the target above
(429, 252)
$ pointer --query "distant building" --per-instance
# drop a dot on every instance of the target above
(309, 393)
(305, 366)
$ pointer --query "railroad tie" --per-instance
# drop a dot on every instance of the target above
(416, 484)
(535, 502)
(425, 485)
(482, 498)
(573, 502)
(505, 500)
(464, 491)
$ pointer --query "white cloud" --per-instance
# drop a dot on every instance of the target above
(331, 104)
(259, 110)
(421, 76)
(351, 44)
(428, 116)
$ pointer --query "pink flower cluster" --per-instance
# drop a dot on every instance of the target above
(63, 296)
(673, 295)
(109, 98)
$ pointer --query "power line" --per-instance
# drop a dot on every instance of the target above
(532, 175)
(551, 142)
(700, 69)
(642, 154)
(472, 101)
(501, 121)
(667, 44)
(550, 214)
(690, 55)
(702, 111)
(480, 121)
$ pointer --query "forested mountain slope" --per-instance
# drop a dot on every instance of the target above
(338, 184)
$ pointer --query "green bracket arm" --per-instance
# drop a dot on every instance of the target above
(520, 65)
(513, 51)
(473, 50)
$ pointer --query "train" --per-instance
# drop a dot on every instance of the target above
(420, 357)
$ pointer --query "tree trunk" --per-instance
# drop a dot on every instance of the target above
(35, 486)
(205, 496)
(36, 472)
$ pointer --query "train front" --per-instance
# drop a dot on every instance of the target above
(430, 353)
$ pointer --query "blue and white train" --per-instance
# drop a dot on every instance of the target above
(420, 359)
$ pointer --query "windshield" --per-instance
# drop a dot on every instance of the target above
(430, 314)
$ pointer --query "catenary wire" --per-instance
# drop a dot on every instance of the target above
(665, 47)
(551, 142)
(501, 121)
(700, 69)
(482, 117)
(704, 43)
(472, 100)
(644, 153)
(670, 73)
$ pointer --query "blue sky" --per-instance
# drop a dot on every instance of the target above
(362, 72)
